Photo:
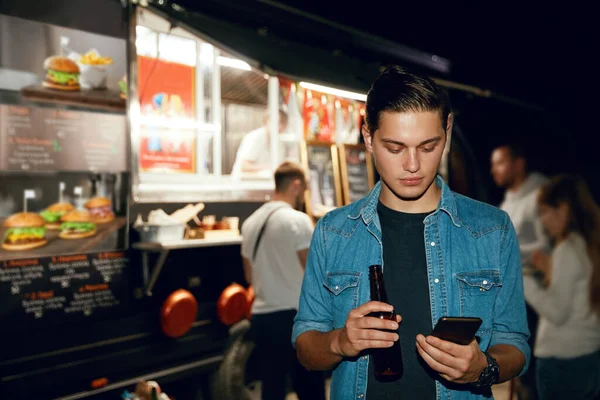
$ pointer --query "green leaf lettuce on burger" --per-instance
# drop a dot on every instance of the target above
(77, 224)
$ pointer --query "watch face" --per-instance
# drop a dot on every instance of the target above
(490, 375)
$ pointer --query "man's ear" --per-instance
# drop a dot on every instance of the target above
(297, 186)
(368, 138)
(449, 125)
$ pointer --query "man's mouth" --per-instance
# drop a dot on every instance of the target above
(413, 181)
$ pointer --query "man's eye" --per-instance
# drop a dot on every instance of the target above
(428, 149)
(394, 150)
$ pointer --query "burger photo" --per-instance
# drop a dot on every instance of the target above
(24, 231)
(54, 212)
(61, 74)
(123, 87)
(77, 224)
(101, 210)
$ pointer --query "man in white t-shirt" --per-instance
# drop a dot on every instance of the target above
(509, 170)
(275, 244)
(254, 153)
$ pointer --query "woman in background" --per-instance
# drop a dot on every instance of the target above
(568, 300)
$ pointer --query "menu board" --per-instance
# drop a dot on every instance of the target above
(62, 287)
(44, 139)
(324, 189)
(357, 172)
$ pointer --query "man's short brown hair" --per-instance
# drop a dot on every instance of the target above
(286, 173)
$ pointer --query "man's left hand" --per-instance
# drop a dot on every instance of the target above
(454, 362)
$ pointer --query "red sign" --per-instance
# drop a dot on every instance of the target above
(166, 88)
(167, 150)
(318, 116)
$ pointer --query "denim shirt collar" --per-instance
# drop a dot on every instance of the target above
(368, 210)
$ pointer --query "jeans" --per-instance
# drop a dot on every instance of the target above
(571, 379)
(277, 359)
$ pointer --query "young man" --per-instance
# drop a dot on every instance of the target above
(442, 254)
(274, 249)
(510, 172)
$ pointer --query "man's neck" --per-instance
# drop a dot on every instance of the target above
(518, 183)
(283, 197)
(426, 203)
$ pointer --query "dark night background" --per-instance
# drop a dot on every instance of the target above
(535, 53)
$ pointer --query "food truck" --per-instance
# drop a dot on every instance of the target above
(123, 184)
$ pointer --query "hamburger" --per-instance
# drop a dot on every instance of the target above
(123, 87)
(52, 214)
(101, 210)
(77, 224)
(24, 231)
(61, 74)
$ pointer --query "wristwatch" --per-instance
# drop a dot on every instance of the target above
(489, 375)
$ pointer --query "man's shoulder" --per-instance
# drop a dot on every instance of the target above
(290, 215)
(257, 216)
(343, 215)
(477, 215)
(259, 132)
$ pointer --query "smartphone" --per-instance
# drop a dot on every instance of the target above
(459, 330)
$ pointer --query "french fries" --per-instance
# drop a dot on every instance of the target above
(93, 58)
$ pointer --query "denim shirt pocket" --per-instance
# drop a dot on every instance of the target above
(343, 287)
(478, 291)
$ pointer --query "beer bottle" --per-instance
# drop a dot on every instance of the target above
(387, 362)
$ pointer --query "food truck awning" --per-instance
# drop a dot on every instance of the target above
(343, 58)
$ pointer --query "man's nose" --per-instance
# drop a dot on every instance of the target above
(411, 163)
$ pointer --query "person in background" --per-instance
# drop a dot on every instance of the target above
(443, 254)
(510, 172)
(275, 243)
(254, 153)
(568, 299)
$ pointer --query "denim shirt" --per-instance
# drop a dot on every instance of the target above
(473, 268)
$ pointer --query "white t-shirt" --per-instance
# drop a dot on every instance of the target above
(521, 206)
(254, 147)
(276, 271)
(568, 328)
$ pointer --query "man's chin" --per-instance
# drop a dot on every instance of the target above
(410, 193)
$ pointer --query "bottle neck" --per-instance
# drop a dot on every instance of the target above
(378, 292)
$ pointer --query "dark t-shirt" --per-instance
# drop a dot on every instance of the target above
(406, 282)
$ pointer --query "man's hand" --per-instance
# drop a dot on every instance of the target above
(454, 362)
(363, 332)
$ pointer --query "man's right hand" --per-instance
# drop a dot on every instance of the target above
(363, 332)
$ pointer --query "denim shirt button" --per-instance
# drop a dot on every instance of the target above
(360, 396)
(337, 287)
(365, 357)
(432, 244)
(436, 280)
(485, 282)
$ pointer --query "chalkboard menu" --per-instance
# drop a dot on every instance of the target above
(45, 139)
(62, 288)
(324, 190)
(357, 172)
